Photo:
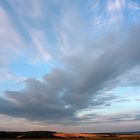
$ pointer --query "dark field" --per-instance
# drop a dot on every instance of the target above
(50, 135)
(95, 138)
(98, 138)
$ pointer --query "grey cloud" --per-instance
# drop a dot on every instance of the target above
(132, 78)
(137, 117)
(93, 75)
(122, 100)
(38, 102)
(64, 92)
(90, 67)
(138, 100)
(117, 118)
(104, 100)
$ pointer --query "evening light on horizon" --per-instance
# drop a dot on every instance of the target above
(70, 65)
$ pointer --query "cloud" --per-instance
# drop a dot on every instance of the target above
(115, 5)
(64, 92)
(90, 66)
(18, 36)
(137, 117)
(38, 41)
(40, 44)
(133, 5)
(31, 10)
(5, 75)
(131, 78)
(11, 44)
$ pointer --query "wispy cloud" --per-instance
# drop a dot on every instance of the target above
(11, 44)
(115, 5)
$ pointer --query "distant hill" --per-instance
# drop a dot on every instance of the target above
(29, 134)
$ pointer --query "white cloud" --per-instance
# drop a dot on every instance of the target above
(133, 5)
(115, 5)
(11, 44)
(115, 8)
(29, 8)
(5, 75)
(40, 44)
(37, 44)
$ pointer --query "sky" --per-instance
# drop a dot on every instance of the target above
(70, 65)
